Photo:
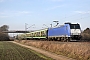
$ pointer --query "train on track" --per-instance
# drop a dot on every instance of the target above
(66, 32)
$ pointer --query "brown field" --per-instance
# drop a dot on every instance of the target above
(76, 50)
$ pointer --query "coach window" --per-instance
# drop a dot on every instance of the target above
(43, 33)
(36, 33)
(39, 34)
(27, 35)
(32, 34)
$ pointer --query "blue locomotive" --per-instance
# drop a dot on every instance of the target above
(66, 32)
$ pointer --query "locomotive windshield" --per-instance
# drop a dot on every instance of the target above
(74, 26)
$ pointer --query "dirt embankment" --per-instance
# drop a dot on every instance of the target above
(76, 50)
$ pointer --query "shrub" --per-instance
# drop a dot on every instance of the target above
(4, 37)
(86, 34)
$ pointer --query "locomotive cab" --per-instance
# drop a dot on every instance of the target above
(75, 31)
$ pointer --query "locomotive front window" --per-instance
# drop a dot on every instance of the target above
(74, 26)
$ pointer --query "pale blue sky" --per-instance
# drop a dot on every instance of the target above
(16, 13)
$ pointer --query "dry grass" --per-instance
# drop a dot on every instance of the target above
(77, 50)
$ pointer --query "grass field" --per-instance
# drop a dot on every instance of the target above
(11, 51)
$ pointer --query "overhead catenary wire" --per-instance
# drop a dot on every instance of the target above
(76, 16)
